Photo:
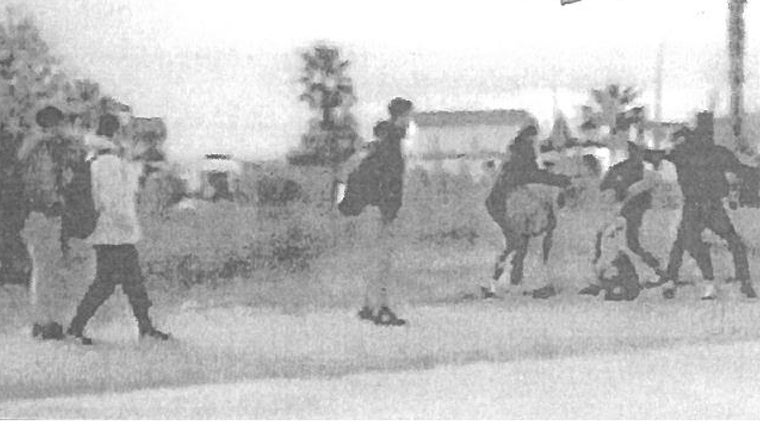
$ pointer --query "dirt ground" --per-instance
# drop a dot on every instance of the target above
(690, 382)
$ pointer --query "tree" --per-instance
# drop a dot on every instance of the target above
(329, 92)
(612, 107)
(27, 79)
(30, 80)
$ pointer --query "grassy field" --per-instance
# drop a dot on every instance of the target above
(273, 293)
(303, 323)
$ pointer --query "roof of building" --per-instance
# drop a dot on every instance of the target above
(473, 118)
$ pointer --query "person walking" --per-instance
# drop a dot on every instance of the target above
(378, 180)
(115, 182)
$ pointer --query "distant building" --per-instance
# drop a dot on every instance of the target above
(215, 176)
(458, 141)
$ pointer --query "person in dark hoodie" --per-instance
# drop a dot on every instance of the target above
(624, 179)
(702, 167)
(518, 171)
(376, 177)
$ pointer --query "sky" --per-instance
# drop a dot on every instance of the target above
(223, 73)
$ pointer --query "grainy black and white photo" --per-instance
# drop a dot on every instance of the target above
(323, 210)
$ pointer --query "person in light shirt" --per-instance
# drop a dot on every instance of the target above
(115, 182)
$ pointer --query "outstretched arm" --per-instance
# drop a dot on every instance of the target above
(730, 162)
(655, 157)
(539, 176)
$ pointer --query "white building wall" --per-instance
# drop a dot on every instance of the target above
(463, 139)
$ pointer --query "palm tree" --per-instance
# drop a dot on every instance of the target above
(614, 100)
(329, 91)
(612, 106)
(326, 86)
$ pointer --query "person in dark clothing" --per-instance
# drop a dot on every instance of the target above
(620, 179)
(376, 175)
(378, 181)
(520, 170)
(701, 167)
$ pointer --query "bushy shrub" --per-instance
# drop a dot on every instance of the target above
(161, 189)
(224, 240)
(275, 190)
(443, 208)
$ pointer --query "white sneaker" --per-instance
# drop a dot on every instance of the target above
(710, 291)
(488, 292)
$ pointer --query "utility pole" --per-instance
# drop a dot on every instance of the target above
(658, 131)
(736, 38)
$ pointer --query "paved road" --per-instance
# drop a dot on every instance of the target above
(707, 381)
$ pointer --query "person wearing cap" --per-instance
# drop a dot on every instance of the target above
(115, 182)
(378, 179)
(702, 167)
(519, 170)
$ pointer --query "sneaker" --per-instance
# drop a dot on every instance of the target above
(545, 292)
(669, 290)
(711, 292)
(748, 290)
(487, 293)
(386, 317)
(155, 334)
(592, 290)
(662, 279)
(79, 337)
(366, 314)
(36, 330)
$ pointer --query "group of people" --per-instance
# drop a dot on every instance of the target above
(704, 170)
(374, 177)
(113, 167)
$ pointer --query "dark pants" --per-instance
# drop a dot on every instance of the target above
(634, 219)
(115, 264)
(696, 217)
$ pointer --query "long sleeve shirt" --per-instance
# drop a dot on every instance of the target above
(702, 169)
(115, 183)
(516, 173)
